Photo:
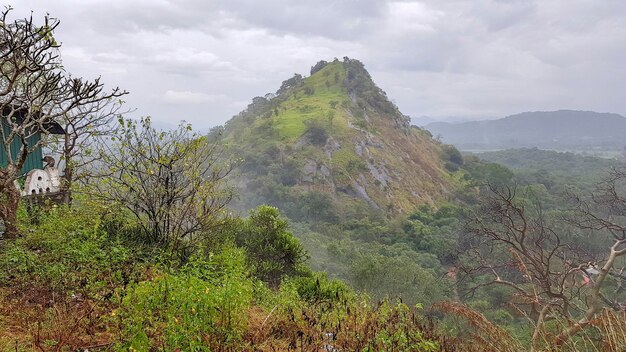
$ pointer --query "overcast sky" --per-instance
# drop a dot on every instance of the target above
(203, 61)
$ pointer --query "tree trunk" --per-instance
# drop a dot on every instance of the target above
(66, 187)
(593, 299)
(68, 177)
(538, 331)
(8, 212)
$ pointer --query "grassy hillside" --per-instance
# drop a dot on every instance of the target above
(341, 161)
(335, 136)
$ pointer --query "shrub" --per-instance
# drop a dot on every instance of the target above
(492, 173)
(452, 157)
(68, 251)
(348, 325)
(316, 133)
(60, 279)
(172, 181)
(317, 206)
(273, 251)
(317, 287)
(200, 308)
(318, 66)
(288, 174)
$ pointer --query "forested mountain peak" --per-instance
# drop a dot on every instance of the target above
(332, 143)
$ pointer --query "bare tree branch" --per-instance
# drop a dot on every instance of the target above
(173, 182)
(517, 245)
(35, 92)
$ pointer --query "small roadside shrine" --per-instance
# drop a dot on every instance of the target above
(41, 174)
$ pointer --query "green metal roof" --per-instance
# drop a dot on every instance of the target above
(34, 159)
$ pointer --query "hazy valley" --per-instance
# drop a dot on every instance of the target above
(564, 130)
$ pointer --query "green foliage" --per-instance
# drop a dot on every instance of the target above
(298, 100)
(315, 206)
(379, 276)
(88, 257)
(200, 308)
(317, 287)
(452, 157)
(401, 258)
(340, 321)
(172, 181)
(246, 283)
(480, 173)
(402, 336)
(383, 270)
(68, 251)
(62, 274)
(435, 231)
(293, 82)
(555, 170)
(288, 173)
(316, 132)
(346, 160)
(272, 250)
(318, 66)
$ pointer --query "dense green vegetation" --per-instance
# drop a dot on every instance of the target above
(369, 254)
(80, 277)
(338, 158)
(337, 134)
(561, 198)
(419, 254)
(87, 276)
(146, 257)
(552, 169)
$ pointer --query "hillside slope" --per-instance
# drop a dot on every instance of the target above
(333, 144)
(561, 130)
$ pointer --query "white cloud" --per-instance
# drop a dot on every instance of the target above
(407, 17)
(481, 58)
(189, 61)
(187, 97)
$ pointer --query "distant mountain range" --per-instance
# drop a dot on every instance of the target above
(557, 130)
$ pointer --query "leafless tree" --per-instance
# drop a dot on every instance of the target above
(606, 213)
(83, 128)
(552, 277)
(35, 91)
(172, 182)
